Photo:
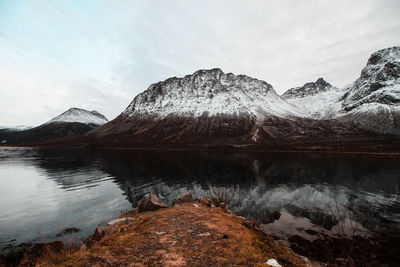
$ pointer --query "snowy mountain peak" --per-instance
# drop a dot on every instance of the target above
(308, 89)
(81, 116)
(210, 92)
(379, 81)
(384, 56)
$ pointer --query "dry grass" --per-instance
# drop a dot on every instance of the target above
(182, 236)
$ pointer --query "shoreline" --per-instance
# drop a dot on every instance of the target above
(332, 152)
(302, 252)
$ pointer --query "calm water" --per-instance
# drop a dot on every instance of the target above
(43, 191)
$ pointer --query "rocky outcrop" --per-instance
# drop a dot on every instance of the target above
(150, 202)
(379, 81)
(183, 198)
(308, 89)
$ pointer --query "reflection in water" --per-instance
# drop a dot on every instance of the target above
(49, 189)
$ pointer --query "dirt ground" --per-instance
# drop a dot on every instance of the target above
(182, 235)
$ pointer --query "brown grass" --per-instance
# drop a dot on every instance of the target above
(182, 236)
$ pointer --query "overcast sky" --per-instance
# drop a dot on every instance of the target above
(100, 54)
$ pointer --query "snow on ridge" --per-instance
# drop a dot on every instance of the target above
(211, 92)
(16, 128)
(81, 116)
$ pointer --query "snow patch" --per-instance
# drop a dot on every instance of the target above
(81, 116)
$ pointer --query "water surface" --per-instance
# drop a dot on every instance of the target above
(43, 191)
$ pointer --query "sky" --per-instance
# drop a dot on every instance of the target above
(98, 55)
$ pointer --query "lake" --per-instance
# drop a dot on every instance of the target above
(43, 191)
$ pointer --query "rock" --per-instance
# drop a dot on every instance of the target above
(150, 202)
(195, 205)
(68, 231)
(204, 234)
(251, 224)
(16, 254)
(207, 201)
(283, 242)
(120, 221)
(276, 215)
(306, 261)
(159, 233)
(97, 235)
(273, 262)
(129, 213)
(183, 198)
(311, 232)
(203, 200)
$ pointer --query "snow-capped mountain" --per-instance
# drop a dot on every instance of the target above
(379, 81)
(81, 116)
(72, 123)
(309, 89)
(316, 100)
(212, 109)
(373, 101)
(211, 93)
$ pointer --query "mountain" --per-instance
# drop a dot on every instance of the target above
(211, 109)
(73, 122)
(309, 89)
(15, 128)
(373, 100)
(315, 100)
(210, 93)
(81, 116)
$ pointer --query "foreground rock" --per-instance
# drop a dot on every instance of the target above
(183, 198)
(150, 202)
(182, 235)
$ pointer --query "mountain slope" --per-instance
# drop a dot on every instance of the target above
(210, 93)
(373, 101)
(316, 100)
(73, 122)
(80, 116)
(211, 109)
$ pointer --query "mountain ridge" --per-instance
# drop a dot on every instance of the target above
(71, 123)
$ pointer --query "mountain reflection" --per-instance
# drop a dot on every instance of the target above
(301, 184)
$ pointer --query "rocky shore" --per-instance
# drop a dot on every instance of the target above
(200, 232)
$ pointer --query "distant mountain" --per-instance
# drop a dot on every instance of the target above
(73, 122)
(210, 109)
(309, 89)
(15, 128)
(81, 116)
(315, 100)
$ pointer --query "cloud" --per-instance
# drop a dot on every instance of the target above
(100, 54)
